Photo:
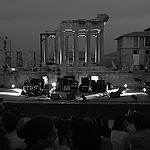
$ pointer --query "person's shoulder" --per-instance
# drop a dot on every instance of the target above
(63, 147)
(106, 144)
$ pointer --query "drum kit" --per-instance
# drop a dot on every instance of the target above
(31, 89)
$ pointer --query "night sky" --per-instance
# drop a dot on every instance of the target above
(23, 20)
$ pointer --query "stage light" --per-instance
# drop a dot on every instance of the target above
(125, 85)
(54, 84)
(144, 89)
(13, 86)
(95, 78)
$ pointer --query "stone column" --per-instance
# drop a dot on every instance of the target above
(96, 47)
(66, 50)
(102, 47)
(46, 57)
(62, 44)
(88, 37)
(56, 55)
(76, 49)
(41, 49)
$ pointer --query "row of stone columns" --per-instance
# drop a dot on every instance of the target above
(61, 56)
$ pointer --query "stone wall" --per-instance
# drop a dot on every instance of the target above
(116, 78)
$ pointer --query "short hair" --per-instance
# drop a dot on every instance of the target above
(39, 127)
(139, 120)
(85, 135)
(118, 122)
(9, 121)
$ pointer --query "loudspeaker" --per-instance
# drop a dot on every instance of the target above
(67, 88)
(71, 96)
(59, 84)
(85, 81)
(94, 86)
(101, 86)
(70, 79)
(84, 89)
(74, 87)
(114, 94)
(55, 96)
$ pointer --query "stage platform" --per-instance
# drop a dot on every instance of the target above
(95, 106)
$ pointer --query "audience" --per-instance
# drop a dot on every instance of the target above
(39, 134)
(63, 133)
(4, 142)
(129, 132)
(140, 140)
(119, 137)
(9, 122)
(105, 130)
(86, 136)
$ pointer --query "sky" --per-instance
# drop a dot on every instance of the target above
(22, 21)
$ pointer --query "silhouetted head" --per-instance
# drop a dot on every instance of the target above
(86, 135)
(9, 121)
(39, 132)
(139, 120)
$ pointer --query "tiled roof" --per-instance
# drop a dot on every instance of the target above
(135, 34)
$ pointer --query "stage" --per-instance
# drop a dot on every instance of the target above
(97, 104)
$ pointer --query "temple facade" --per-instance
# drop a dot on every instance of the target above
(65, 45)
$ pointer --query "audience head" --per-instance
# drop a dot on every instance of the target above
(139, 120)
(63, 129)
(120, 123)
(9, 121)
(85, 135)
(39, 132)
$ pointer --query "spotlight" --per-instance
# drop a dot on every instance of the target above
(54, 84)
(144, 89)
(13, 86)
(125, 85)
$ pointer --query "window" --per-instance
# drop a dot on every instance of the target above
(5, 45)
(8, 60)
(135, 41)
(120, 44)
(19, 59)
(141, 41)
(135, 51)
(147, 41)
(147, 52)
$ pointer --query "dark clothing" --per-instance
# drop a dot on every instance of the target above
(105, 131)
(141, 140)
(33, 148)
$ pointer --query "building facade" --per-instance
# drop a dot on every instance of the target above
(16, 58)
(5, 51)
(134, 49)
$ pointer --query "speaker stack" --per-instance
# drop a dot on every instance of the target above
(59, 84)
(94, 86)
(85, 81)
(85, 84)
(101, 86)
